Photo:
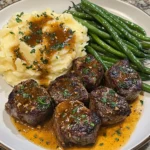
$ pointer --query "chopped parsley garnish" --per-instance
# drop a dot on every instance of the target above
(35, 136)
(18, 17)
(52, 35)
(71, 32)
(112, 92)
(20, 32)
(38, 41)
(61, 25)
(47, 143)
(66, 93)
(25, 95)
(57, 18)
(127, 127)
(30, 25)
(18, 20)
(118, 132)
(12, 32)
(113, 104)
(83, 116)
(92, 124)
(142, 102)
(39, 31)
(29, 67)
(41, 139)
(88, 59)
(42, 101)
(74, 110)
(26, 38)
(35, 62)
(85, 71)
(101, 144)
(44, 14)
(116, 139)
(44, 61)
(22, 87)
(32, 51)
(58, 46)
(104, 100)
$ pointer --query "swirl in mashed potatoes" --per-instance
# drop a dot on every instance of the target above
(40, 45)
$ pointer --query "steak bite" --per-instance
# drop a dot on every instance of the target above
(89, 70)
(29, 102)
(67, 88)
(75, 124)
(108, 105)
(125, 80)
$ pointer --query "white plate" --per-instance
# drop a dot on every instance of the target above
(8, 134)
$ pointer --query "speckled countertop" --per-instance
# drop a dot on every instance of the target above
(142, 4)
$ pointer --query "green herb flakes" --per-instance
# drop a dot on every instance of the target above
(74, 110)
(142, 102)
(66, 93)
(116, 139)
(104, 100)
(92, 124)
(11, 32)
(101, 144)
(32, 51)
(118, 132)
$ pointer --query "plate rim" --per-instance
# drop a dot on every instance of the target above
(144, 141)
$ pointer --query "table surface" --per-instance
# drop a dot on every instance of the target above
(141, 4)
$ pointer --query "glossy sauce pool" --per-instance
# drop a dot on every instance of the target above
(112, 137)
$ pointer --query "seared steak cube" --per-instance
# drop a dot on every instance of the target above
(75, 124)
(67, 88)
(108, 105)
(125, 80)
(89, 70)
(30, 103)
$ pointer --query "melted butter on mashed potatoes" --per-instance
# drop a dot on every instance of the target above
(41, 46)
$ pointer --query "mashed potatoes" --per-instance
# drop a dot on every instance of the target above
(41, 46)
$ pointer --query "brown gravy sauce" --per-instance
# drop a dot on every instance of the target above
(109, 138)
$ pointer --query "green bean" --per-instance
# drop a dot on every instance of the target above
(145, 45)
(144, 77)
(77, 7)
(94, 29)
(122, 46)
(135, 51)
(101, 50)
(127, 42)
(113, 44)
(97, 56)
(99, 11)
(146, 87)
(118, 32)
(127, 22)
(107, 47)
(96, 25)
(80, 15)
(133, 25)
(109, 59)
(120, 22)
(107, 63)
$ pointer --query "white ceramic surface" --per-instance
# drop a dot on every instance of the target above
(9, 136)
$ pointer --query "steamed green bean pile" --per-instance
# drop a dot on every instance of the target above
(113, 38)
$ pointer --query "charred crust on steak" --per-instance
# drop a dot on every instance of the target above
(29, 102)
(75, 124)
(124, 80)
(111, 107)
